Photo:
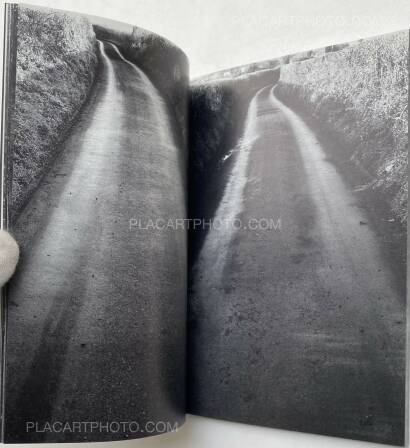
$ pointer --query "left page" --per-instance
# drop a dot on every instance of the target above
(94, 164)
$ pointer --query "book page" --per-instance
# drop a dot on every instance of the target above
(96, 167)
(297, 306)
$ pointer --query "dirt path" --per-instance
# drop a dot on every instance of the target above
(304, 326)
(87, 337)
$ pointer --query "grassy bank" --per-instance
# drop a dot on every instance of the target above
(360, 95)
(56, 63)
(218, 109)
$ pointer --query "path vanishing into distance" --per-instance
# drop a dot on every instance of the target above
(91, 334)
(304, 325)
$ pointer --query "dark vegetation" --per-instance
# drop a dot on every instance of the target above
(217, 111)
(55, 68)
(164, 64)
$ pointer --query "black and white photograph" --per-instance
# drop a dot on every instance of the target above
(211, 228)
(298, 280)
(96, 311)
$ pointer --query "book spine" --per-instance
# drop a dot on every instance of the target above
(8, 99)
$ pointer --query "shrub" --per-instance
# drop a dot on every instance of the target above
(217, 111)
(55, 68)
(361, 95)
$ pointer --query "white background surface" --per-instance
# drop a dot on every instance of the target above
(223, 33)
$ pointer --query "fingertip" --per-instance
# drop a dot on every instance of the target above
(9, 255)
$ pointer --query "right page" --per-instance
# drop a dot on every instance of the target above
(298, 192)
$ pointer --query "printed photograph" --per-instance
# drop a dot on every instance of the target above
(231, 246)
(297, 310)
(95, 319)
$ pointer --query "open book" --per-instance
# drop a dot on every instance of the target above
(232, 246)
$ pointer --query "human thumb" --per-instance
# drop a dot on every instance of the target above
(9, 255)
